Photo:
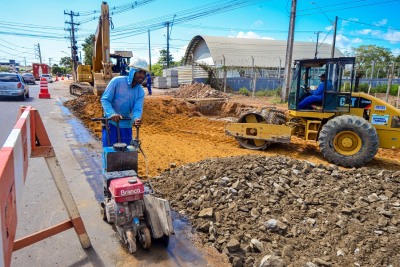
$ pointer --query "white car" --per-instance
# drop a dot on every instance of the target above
(47, 77)
(13, 85)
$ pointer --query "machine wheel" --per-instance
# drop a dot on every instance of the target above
(275, 116)
(348, 141)
(110, 211)
(144, 237)
(252, 117)
(165, 240)
(131, 242)
(27, 95)
(103, 211)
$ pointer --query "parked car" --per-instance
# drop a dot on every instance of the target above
(29, 78)
(47, 77)
(13, 85)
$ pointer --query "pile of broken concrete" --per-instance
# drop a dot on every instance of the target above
(278, 211)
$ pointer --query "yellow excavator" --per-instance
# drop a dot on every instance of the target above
(94, 79)
(349, 125)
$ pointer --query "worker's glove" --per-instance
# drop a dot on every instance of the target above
(137, 122)
(116, 117)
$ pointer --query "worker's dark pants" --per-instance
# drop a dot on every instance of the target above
(125, 133)
(149, 88)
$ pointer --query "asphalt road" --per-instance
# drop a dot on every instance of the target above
(9, 109)
(79, 156)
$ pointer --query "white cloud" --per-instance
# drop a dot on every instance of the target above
(179, 53)
(345, 22)
(392, 36)
(251, 35)
(328, 28)
(396, 51)
(380, 23)
(248, 34)
(356, 40)
(364, 31)
(342, 38)
(376, 32)
(257, 23)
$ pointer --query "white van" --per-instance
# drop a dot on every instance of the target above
(47, 77)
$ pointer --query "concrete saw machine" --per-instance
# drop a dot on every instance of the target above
(130, 203)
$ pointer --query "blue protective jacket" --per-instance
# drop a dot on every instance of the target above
(123, 99)
(319, 92)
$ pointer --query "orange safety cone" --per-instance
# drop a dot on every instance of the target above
(62, 77)
(44, 90)
(56, 78)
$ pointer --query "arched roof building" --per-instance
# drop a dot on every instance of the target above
(240, 52)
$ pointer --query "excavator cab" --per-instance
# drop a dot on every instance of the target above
(338, 84)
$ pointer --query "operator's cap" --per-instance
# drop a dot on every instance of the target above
(322, 75)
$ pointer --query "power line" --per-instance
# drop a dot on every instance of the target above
(181, 17)
(363, 23)
(51, 37)
(29, 26)
(237, 29)
(337, 4)
(332, 10)
(113, 10)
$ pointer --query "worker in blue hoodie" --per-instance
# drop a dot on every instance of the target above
(123, 98)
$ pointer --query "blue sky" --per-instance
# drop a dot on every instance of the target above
(361, 22)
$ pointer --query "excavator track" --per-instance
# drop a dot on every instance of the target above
(80, 88)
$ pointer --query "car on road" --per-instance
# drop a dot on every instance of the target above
(13, 85)
(29, 78)
(47, 77)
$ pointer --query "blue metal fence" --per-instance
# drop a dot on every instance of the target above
(275, 83)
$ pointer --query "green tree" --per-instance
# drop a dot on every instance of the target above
(87, 48)
(56, 69)
(397, 60)
(162, 60)
(65, 61)
(365, 54)
(157, 69)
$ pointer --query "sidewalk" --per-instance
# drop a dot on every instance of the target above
(79, 157)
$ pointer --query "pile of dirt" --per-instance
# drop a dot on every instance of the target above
(174, 132)
(197, 90)
(290, 212)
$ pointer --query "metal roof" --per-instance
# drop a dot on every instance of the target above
(239, 52)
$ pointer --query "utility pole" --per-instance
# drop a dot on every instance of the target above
(373, 66)
(25, 61)
(50, 64)
(289, 52)
(389, 82)
(334, 37)
(167, 44)
(224, 74)
(168, 36)
(74, 49)
(254, 77)
(39, 54)
(316, 45)
(148, 34)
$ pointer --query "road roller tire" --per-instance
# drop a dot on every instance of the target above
(348, 141)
